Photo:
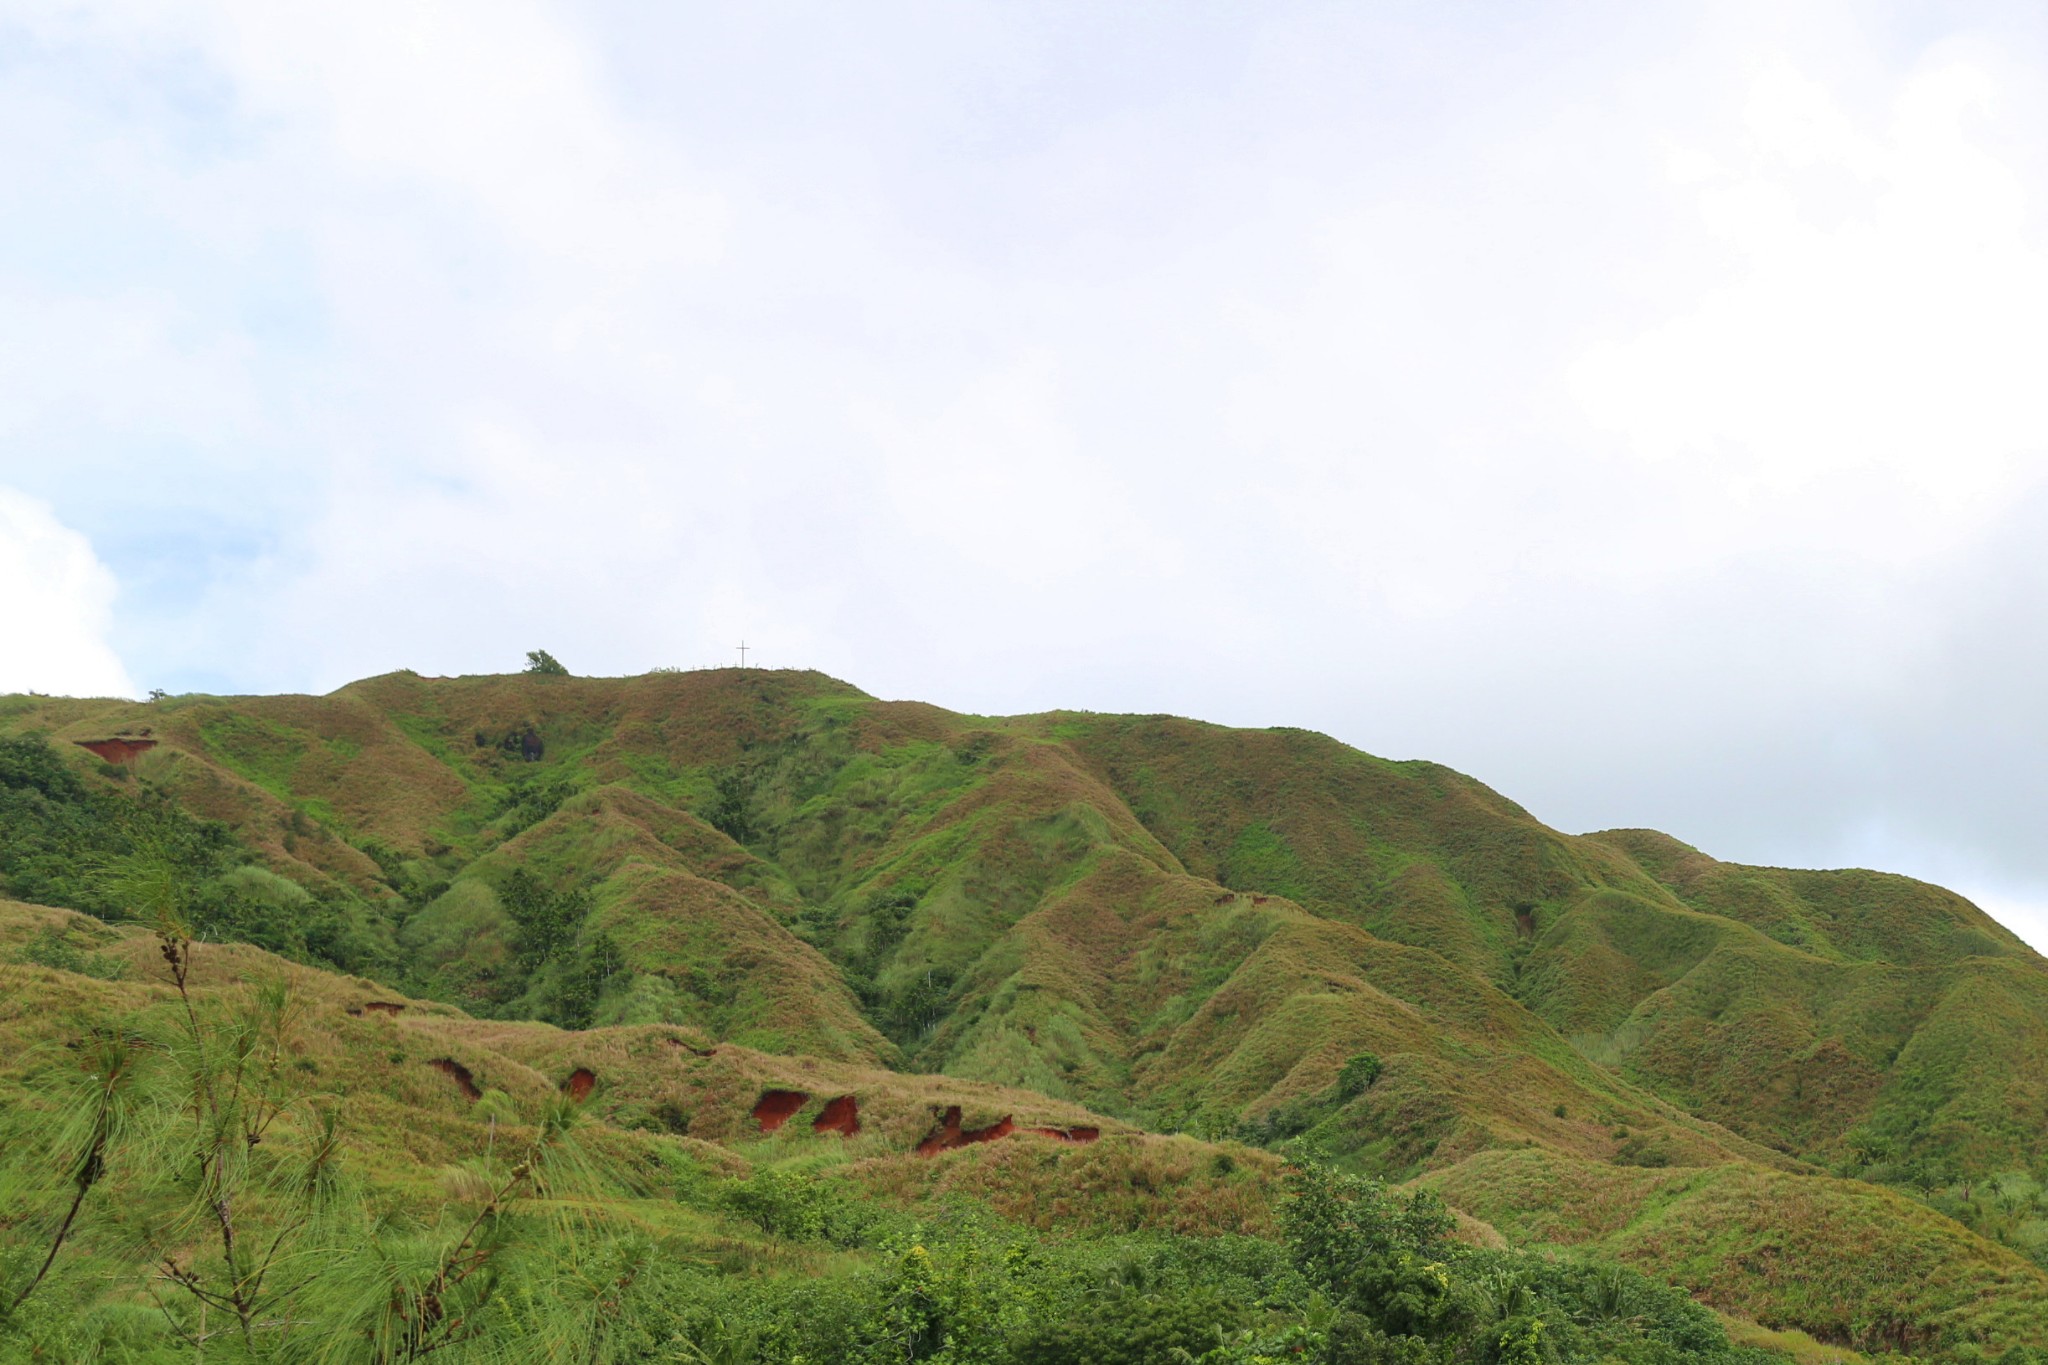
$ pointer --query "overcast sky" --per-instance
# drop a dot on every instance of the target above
(1643, 408)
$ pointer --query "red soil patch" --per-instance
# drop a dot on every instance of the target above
(1076, 1135)
(949, 1134)
(841, 1116)
(774, 1107)
(383, 1006)
(457, 1072)
(115, 750)
(580, 1083)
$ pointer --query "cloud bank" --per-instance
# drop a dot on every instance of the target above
(1634, 409)
(55, 613)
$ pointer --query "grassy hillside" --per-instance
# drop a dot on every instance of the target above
(642, 1192)
(693, 889)
(742, 1165)
(1044, 901)
(1845, 1261)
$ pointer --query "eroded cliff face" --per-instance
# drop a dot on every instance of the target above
(119, 749)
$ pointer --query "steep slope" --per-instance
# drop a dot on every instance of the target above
(1824, 1013)
(1176, 922)
(414, 1069)
(693, 916)
(672, 1115)
(1850, 1263)
(1830, 1010)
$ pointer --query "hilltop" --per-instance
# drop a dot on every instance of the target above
(732, 884)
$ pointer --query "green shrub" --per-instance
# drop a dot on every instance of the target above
(1358, 1074)
(1125, 1328)
(781, 1202)
(52, 947)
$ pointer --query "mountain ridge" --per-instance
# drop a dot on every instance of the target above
(1161, 923)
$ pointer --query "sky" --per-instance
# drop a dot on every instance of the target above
(1636, 406)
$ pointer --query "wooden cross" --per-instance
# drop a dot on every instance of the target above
(743, 654)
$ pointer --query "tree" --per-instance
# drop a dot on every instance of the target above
(541, 662)
(1375, 1252)
(231, 1189)
(544, 922)
(1358, 1074)
(102, 1109)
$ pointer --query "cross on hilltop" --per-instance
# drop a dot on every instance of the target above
(743, 654)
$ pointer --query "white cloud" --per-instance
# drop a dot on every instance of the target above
(55, 604)
(1877, 334)
(1619, 420)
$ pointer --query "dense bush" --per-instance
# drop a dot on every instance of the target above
(1358, 1074)
(56, 833)
(63, 843)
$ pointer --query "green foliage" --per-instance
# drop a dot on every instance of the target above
(1122, 1327)
(1171, 923)
(60, 949)
(575, 988)
(1376, 1253)
(544, 922)
(563, 966)
(1405, 1292)
(539, 661)
(56, 832)
(530, 799)
(65, 843)
(728, 812)
(782, 1203)
(185, 1144)
(1358, 1074)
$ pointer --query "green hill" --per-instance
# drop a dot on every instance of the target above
(1119, 924)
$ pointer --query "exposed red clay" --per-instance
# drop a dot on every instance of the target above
(580, 1083)
(949, 1134)
(774, 1107)
(383, 1006)
(1076, 1135)
(458, 1073)
(841, 1116)
(115, 750)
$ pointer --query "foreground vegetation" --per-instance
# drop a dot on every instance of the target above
(180, 1192)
